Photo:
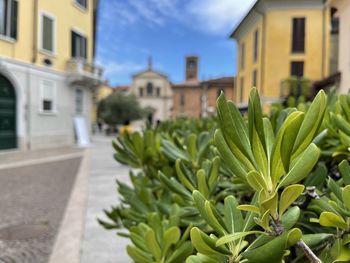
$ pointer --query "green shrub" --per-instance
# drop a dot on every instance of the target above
(234, 189)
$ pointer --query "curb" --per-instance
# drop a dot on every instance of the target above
(35, 161)
(68, 241)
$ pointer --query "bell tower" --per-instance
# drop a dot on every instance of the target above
(191, 67)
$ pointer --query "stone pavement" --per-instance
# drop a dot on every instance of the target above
(100, 245)
(33, 195)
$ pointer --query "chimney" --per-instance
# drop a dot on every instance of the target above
(191, 67)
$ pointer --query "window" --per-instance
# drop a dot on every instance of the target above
(79, 99)
(191, 64)
(79, 46)
(298, 37)
(48, 96)
(158, 91)
(297, 68)
(149, 89)
(242, 55)
(242, 89)
(182, 100)
(82, 3)
(141, 92)
(256, 45)
(8, 18)
(48, 33)
(254, 78)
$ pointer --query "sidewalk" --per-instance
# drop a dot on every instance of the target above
(35, 188)
(100, 245)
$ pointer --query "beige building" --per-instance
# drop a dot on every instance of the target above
(342, 11)
(278, 39)
(154, 93)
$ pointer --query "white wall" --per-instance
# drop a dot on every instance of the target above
(163, 103)
(35, 128)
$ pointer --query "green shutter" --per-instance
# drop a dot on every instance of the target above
(14, 18)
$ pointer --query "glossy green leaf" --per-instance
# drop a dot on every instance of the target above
(346, 196)
(332, 220)
(232, 216)
(171, 237)
(181, 253)
(152, 244)
(257, 181)
(289, 136)
(311, 123)
(202, 183)
(344, 169)
(290, 218)
(274, 250)
(228, 158)
(249, 208)
(138, 255)
(271, 204)
(205, 244)
(302, 167)
(288, 196)
(235, 236)
(182, 177)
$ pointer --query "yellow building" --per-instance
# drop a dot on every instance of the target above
(278, 39)
(47, 75)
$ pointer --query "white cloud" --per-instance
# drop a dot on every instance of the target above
(218, 16)
(211, 16)
(114, 69)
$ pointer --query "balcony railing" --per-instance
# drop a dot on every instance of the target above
(81, 71)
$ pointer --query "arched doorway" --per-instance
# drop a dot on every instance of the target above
(8, 136)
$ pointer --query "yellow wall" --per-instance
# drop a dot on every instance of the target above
(249, 64)
(68, 16)
(102, 92)
(275, 56)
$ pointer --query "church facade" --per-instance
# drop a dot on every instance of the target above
(153, 90)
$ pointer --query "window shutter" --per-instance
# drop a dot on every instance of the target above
(14, 19)
(298, 37)
(74, 45)
(84, 48)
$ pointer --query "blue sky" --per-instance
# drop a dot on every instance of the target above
(129, 31)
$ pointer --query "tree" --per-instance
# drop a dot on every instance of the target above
(118, 108)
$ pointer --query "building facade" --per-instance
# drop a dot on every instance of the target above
(279, 39)
(194, 98)
(342, 9)
(47, 75)
(153, 90)
(187, 98)
(212, 88)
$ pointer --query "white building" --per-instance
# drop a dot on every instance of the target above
(47, 75)
(153, 91)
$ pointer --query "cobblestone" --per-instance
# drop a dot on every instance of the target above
(33, 198)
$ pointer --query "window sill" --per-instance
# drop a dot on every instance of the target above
(48, 113)
(47, 53)
(8, 39)
(80, 7)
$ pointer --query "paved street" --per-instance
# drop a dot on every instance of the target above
(33, 200)
(100, 245)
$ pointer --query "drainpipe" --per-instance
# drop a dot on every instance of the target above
(324, 28)
(35, 31)
(28, 77)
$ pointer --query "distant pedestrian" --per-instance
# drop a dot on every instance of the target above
(126, 128)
